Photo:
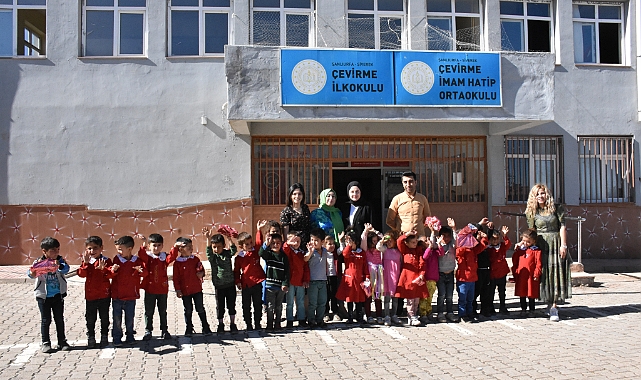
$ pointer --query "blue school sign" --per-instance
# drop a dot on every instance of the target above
(336, 77)
(403, 78)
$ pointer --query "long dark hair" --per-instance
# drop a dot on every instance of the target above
(292, 188)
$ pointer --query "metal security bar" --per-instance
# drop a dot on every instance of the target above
(606, 170)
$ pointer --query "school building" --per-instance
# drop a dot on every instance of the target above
(140, 116)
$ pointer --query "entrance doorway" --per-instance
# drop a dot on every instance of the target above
(379, 186)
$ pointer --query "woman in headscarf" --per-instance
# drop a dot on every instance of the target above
(328, 217)
(356, 211)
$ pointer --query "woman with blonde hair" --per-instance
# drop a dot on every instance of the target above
(548, 219)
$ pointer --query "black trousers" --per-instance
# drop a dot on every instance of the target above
(47, 306)
(484, 289)
(95, 308)
(253, 296)
(225, 295)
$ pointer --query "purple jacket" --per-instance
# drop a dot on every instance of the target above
(431, 263)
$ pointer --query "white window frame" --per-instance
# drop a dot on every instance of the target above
(377, 15)
(284, 12)
(452, 15)
(117, 11)
(614, 156)
(524, 19)
(596, 21)
(534, 159)
(14, 7)
(202, 12)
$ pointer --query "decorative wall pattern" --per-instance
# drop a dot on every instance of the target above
(609, 231)
(22, 227)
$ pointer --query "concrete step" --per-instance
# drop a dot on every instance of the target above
(582, 279)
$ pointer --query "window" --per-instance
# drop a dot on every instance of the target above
(526, 26)
(606, 171)
(375, 24)
(282, 22)
(598, 32)
(199, 27)
(23, 27)
(115, 28)
(453, 25)
(532, 160)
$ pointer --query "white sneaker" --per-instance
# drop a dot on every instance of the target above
(414, 321)
(554, 314)
(388, 321)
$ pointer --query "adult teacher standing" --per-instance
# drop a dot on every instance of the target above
(326, 216)
(356, 211)
(549, 221)
(408, 210)
(296, 216)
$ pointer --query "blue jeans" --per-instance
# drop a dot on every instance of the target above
(465, 298)
(296, 294)
(317, 293)
(129, 307)
(445, 286)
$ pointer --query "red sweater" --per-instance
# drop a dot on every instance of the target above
(186, 278)
(247, 269)
(498, 264)
(467, 261)
(97, 285)
(125, 285)
(298, 268)
(157, 281)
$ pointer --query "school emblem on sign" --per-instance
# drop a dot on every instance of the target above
(417, 78)
(309, 77)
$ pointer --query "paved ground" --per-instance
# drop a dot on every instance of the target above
(599, 337)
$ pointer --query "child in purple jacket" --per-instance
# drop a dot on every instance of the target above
(430, 257)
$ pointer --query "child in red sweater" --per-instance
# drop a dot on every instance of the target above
(249, 276)
(298, 279)
(96, 268)
(355, 277)
(526, 267)
(470, 242)
(411, 283)
(156, 284)
(498, 265)
(127, 271)
(188, 283)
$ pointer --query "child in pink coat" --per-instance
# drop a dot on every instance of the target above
(391, 273)
(369, 241)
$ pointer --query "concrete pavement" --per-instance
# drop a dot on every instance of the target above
(598, 337)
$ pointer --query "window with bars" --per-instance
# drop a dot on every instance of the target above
(532, 160)
(448, 169)
(282, 22)
(606, 170)
(375, 24)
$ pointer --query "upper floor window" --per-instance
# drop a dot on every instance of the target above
(198, 27)
(375, 24)
(526, 26)
(454, 25)
(115, 28)
(606, 170)
(532, 160)
(598, 32)
(23, 27)
(282, 22)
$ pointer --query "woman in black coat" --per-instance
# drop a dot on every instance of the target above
(356, 211)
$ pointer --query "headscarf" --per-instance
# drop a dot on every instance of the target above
(360, 200)
(334, 213)
(465, 237)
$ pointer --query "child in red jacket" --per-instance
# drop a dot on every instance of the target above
(249, 276)
(498, 266)
(298, 279)
(411, 283)
(156, 284)
(188, 283)
(526, 267)
(127, 271)
(470, 242)
(355, 277)
(96, 268)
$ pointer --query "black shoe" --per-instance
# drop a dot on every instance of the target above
(91, 342)
(189, 331)
(233, 328)
(147, 335)
(104, 341)
(130, 340)
(64, 346)
(504, 311)
(302, 323)
(165, 335)
(290, 324)
(312, 325)
(207, 331)
(221, 328)
(322, 325)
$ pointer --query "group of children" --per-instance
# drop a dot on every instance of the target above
(386, 270)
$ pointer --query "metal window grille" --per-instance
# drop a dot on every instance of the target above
(531, 160)
(449, 169)
(606, 170)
